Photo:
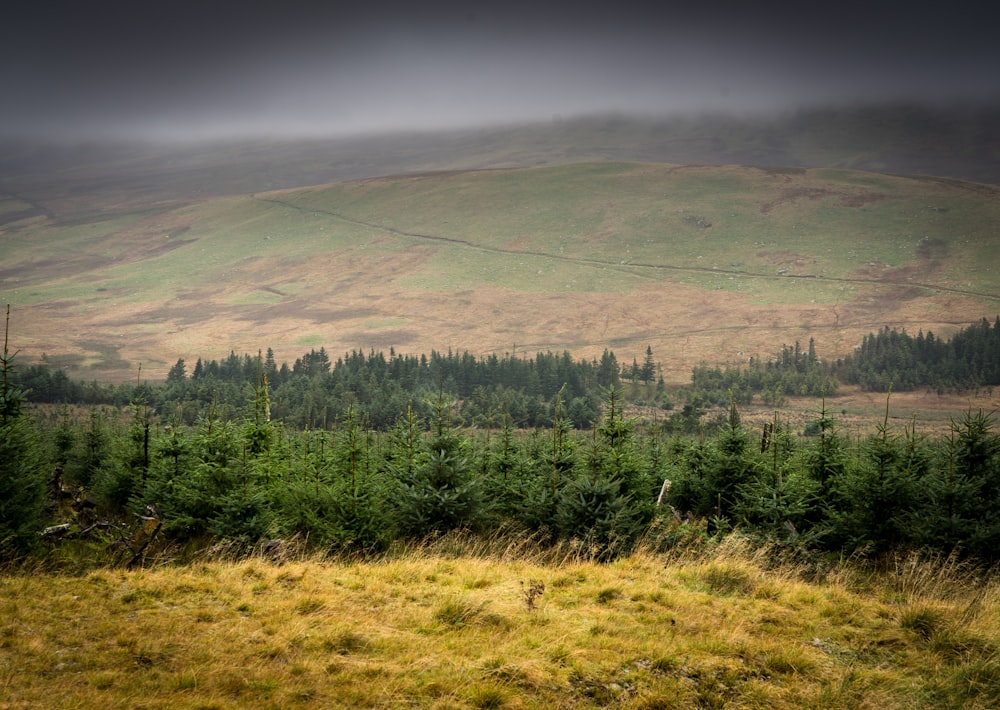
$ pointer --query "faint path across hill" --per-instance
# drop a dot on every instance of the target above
(631, 267)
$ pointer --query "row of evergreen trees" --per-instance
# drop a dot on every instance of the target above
(887, 360)
(348, 477)
(894, 359)
(314, 390)
(243, 479)
(793, 372)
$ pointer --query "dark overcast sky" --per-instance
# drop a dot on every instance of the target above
(207, 69)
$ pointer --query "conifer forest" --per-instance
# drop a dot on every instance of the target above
(356, 453)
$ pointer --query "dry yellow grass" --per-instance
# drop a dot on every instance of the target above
(430, 629)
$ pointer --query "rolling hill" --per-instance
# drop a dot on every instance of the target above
(702, 263)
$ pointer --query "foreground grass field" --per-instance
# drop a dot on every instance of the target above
(464, 624)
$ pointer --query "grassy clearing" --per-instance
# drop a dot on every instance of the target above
(451, 625)
(309, 340)
(256, 298)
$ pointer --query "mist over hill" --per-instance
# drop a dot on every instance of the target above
(74, 179)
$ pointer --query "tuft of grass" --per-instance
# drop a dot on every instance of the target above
(608, 595)
(309, 605)
(922, 620)
(458, 612)
(727, 579)
(346, 643)
(487, 696)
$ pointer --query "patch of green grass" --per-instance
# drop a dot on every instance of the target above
(608, 595)
(254, 298)
(924, 621)
(310, 340)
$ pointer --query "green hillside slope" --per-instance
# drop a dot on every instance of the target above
(702, 263)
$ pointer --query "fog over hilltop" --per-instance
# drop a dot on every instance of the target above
(211, 70)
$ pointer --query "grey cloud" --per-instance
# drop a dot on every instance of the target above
(205, 70)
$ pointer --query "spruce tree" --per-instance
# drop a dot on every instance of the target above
(733, 466)
(872, 500)
(360, 513)
(440, 492)
(783, 500)
(22, 486)
(648, 371)
(126, 469)
(609, 506)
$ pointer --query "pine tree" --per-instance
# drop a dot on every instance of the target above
(780, 499)
(973, 519)
(648, 371)
(361, 513)
(872, 501)
(733, 465)
(126, 469)
(178, 373)
(440, 493)
(608, 507)
(22, 487)
(824, 460)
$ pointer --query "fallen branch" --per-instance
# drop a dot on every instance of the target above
(137, 557)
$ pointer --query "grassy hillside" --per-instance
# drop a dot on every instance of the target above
(459, 625)
(701, 263)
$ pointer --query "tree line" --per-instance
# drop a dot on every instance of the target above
(315, 389)
(793, 372)
(894, 359)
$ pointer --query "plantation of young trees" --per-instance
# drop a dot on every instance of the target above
(356, 454)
